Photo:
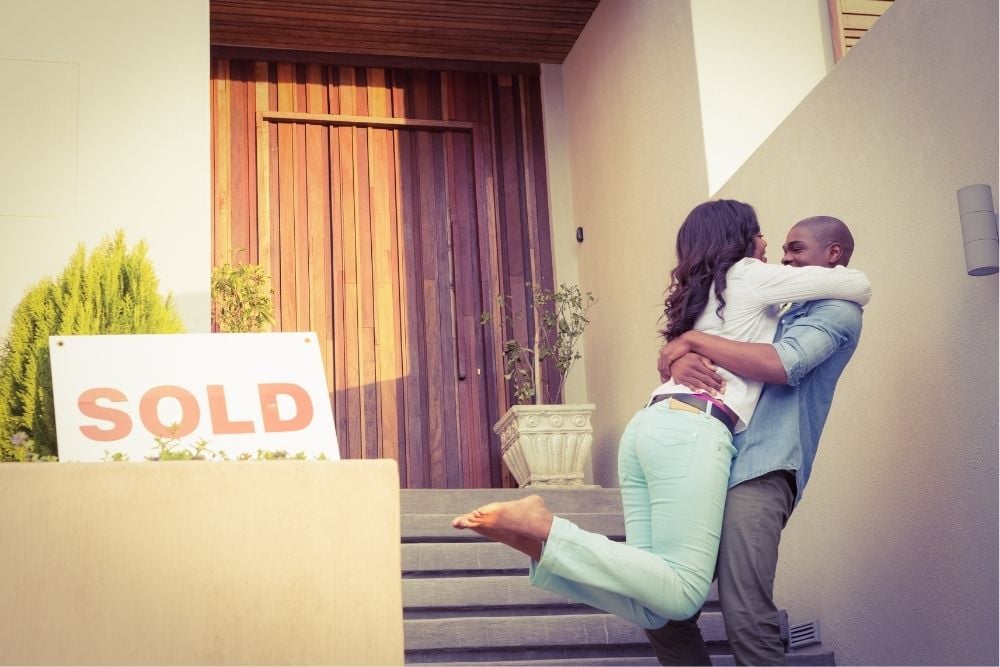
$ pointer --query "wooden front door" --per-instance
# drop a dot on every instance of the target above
(376, 214)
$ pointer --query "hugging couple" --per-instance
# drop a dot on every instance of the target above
(713, 465)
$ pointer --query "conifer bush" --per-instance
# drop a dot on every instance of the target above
(113, 290)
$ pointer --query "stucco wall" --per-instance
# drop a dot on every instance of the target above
(894, 548)
(637, 165)
(112, 132)
(201, 563)
(768, 54)
(565, 248)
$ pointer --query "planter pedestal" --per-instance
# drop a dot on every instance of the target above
(547, 445)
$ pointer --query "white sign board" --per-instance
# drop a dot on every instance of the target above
(241, 393)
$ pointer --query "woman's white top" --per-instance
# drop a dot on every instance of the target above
(754, 291)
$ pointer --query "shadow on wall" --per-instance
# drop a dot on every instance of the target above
(411, 422)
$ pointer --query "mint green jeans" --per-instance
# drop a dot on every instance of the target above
(673, 467)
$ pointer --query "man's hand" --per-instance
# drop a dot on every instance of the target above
(698, 373)
(754, 361)
(677, 360)
(670, 353)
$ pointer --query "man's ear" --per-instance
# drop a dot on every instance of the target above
(833, 253)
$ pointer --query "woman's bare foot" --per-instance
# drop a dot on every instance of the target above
(527, 517)
(527, 546)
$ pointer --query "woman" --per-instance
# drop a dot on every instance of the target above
(675, 454)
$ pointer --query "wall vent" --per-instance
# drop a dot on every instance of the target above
(803, 634)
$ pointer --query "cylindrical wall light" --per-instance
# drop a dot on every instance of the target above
(979, 229)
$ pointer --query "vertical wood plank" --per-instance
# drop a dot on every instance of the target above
(837, 29)
(240, 174)
(317, 181)
(511, 220)
(384, 267)
(511, 284)
(366, 290)
(475, 472)
(539, 218)
(444, 286)
(250, 159)
(491, 283)
(348, 195)
(214, 158)
(412, 336)
(263, 189)
(477, 422)
(286, 198)
(433, 409)
(337, 262)
(300, 208)
(224, 158)
(274, 194)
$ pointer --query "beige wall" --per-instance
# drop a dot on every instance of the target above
(637, 165)
(116, 138)
(894, 548)
(565, 248)
(201, 563)
(768, 54)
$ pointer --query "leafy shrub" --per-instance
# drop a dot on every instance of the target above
(111, 291)
(560, 319)
(241, 298)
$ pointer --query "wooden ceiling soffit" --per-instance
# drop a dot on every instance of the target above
(521, 31)
(851, 19)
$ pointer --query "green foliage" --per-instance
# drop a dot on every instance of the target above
(22, 448)
(241, 297)
(560, 319)
(171, 448)
(111, 291)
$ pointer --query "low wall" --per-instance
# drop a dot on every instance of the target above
(258, 562)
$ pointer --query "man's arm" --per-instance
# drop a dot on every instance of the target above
(812, 339)
(755, 361)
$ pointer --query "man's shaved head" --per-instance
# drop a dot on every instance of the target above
(818, 241)
(827, 230)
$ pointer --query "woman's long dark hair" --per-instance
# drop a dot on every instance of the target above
(715, 235)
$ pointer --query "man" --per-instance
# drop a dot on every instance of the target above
(813, 344)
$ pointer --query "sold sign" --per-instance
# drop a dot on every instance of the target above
(240, 392)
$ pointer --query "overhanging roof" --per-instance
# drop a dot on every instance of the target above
(526, 31)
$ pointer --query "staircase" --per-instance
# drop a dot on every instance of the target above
(466, 600)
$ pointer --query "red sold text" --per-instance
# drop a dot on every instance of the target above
(117, 424)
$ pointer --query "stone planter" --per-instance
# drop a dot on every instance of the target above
(546, 445)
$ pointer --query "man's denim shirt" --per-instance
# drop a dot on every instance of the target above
(815, 340)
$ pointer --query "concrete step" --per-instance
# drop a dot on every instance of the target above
(467, 600)
(581, 500)
(428, 558)
(462, 594)
(486, 632)
(607, 661)
(438, 528)
(820, 659)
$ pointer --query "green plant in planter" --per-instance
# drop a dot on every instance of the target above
(560, 319)
(242, 298)
(113, 290)
(170, 447)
